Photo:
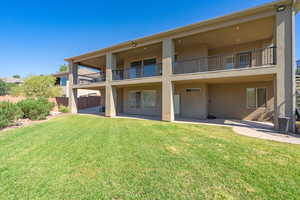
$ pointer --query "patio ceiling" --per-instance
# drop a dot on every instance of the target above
(233, 35)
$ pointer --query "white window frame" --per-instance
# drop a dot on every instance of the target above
(256, 97)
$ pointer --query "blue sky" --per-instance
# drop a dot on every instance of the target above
(36, 36)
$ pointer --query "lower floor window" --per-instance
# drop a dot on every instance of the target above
(256, 97)
(145, 99)
(149, 98)
(134, 98)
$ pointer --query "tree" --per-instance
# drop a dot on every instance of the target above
(16, 76)
(38, 86)
(3, 88)
(63, 68)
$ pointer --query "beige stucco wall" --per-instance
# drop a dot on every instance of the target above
(192, 104)
(156, 111)
(229, 101)
(240, 47)
(191, 52)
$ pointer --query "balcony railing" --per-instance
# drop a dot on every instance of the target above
(253, 58)
(91, 78)
(137, 72)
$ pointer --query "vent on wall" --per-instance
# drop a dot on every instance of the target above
(193, 90)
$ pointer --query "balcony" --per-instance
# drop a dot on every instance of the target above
(138, 72)
(239, 60)
(91, 78)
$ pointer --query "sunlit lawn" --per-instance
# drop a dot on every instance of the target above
(89, 157)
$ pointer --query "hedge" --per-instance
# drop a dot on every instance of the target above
(9, 112)
(36, 109)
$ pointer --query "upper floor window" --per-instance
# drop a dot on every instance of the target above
(63, 81)
(229, 62)
(136, 69)
(244, 59)
(149, 67)
(256, 97)
(143, 68)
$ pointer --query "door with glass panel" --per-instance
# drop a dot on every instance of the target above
(149, 67)
(136, 69)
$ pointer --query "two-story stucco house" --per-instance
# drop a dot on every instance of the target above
(239, 66)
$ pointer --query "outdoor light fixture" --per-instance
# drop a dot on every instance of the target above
(133, 44)
(281, 8)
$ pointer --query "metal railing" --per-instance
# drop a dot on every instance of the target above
(91, 78)
(139, 72)
(298, 67)
(252, 58)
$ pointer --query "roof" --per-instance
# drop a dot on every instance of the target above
(81, 71)
(12, 80)
(169, 33)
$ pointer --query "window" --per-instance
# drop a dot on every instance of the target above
(229, 62)
(245, 59)
(135, 69)
(251, 98)
(63, 81)
(149, 98)
(256, 97)
(261, 97)
(134, 98)
(143, 68)
(149, 67)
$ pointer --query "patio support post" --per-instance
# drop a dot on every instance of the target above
(285, 76)
(167, 85)
(73, 71)
(110, 91)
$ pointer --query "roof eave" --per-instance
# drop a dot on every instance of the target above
(264, 7)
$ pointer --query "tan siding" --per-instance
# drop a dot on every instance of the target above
(192, 104)
(229, 101)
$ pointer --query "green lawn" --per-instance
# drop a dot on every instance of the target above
(89, 157)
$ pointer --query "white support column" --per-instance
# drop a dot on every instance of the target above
(167, 85)
(285, 77)
(73, 71)
(110, 92)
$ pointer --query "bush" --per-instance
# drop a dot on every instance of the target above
(36, 109)
(40, 86)
(3, 88)
(63, 109)
(9, 112)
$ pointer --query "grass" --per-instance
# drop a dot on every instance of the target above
(88, 157)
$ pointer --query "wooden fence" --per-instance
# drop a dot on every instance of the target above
(83, 102)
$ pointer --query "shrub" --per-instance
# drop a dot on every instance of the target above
(9, 112)
(3, 88)
(37, 87)
(36, 109)
(63, 109)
